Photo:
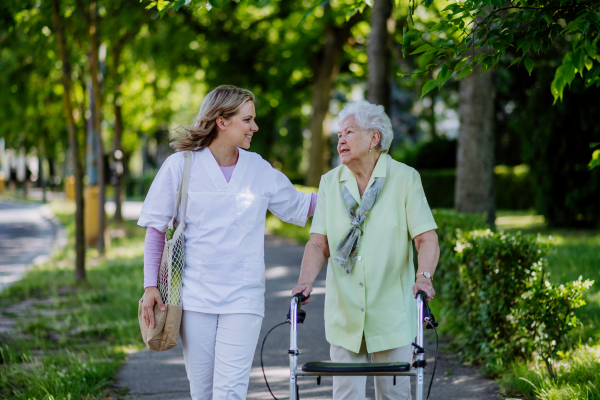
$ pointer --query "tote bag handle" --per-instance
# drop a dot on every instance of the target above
(183, 189)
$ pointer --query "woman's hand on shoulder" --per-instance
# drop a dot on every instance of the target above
(305, 288)
(425, 284)
(151, 297)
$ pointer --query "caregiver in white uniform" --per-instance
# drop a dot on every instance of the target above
(224, 275)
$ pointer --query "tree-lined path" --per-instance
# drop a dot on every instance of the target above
(153, 376)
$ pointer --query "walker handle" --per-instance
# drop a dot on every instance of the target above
(427, 315)
(301, 297)
(301, 314)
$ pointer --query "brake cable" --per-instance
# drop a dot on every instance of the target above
(261, 357)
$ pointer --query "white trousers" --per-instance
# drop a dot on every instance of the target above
(354, 387)
(218, 350)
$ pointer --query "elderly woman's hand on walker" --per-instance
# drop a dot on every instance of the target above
(151, 297)
(316, 254)
(429, 254)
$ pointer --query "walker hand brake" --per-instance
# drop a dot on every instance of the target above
(427, 314)
(301, 313)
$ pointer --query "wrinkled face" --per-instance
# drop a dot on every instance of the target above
(353, 142)
(239, 128)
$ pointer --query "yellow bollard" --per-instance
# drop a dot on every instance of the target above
(2, 184)
(70, 188)
(90, 195)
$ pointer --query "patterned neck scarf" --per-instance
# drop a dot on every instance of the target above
(348, 246)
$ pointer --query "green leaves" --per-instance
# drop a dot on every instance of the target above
(319, 4)
(429, 86)
(595, 162)
(443, 76)
(408, 38)
(179, 3)
(515, 61)
(524, 45)
(523, 31)
(218, 3)
(564, 75)
(592, 76)
(421, 49)
(529, 64)
(465, 72)
(164, 5)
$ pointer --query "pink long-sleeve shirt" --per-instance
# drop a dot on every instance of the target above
(154, 243)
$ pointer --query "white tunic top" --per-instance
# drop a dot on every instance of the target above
(225, 222)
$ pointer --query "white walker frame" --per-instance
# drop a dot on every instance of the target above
(366, 369)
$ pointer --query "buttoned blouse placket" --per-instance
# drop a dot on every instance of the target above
(352, 186)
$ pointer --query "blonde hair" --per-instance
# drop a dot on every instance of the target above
(224, 101)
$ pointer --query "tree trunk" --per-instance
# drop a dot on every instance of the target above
(73, 141)
(326, 74)
(41, 175)
(475, 153)
(93, 26)
(118, 146)
(379, 54)
(118, 130)
(321, 95)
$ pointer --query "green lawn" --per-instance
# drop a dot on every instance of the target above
(69, 339)
(576, 253)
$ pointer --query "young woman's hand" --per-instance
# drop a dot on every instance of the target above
(152, 296)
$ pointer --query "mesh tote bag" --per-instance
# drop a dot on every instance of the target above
(170, 275)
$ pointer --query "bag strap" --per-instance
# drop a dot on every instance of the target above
(183, 188)
(186, 181)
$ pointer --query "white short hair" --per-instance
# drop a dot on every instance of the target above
(370, 117)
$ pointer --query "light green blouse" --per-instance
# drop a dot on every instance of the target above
(376, 297)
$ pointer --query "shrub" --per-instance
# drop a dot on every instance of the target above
(450, 223)
(506, 306)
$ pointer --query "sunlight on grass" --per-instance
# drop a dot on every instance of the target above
(520, 221)
(578, 377)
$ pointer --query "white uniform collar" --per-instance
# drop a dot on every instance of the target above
(216, 174)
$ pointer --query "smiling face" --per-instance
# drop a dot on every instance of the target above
(353, 142)
(237, 130)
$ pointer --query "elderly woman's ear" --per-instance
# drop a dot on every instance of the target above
(375, 139)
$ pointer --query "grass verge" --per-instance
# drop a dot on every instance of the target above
(67, 340)
(576, 253)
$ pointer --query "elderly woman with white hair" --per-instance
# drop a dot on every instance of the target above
(369, 209)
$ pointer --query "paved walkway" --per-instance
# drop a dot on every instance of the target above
(28, 234)
(153, 376)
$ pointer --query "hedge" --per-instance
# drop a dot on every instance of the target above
(514, 187)
(495, 297)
